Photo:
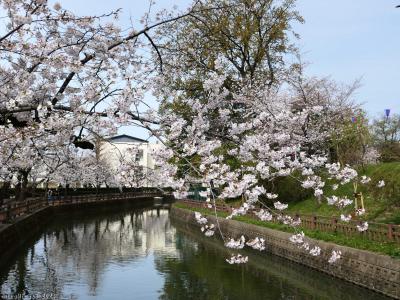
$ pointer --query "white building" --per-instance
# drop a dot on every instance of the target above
(129, 150)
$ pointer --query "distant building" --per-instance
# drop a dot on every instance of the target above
(129, 149)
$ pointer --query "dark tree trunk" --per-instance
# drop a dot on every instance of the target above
(22, 187)
(5, 191)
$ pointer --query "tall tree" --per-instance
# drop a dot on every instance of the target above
(386, 132)
(62, 77)
(245, 40)
(249, 38)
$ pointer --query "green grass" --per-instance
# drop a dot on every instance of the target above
(381, 204)
(359, 242)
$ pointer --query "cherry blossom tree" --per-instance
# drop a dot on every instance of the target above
(130, 172)
(62, 77)
(269, 142)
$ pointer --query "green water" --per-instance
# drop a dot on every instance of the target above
(142, 254)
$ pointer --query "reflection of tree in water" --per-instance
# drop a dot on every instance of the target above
(81, 251)
(77, 255)
(201, 273)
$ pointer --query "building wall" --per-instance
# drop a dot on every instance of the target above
(112, 152)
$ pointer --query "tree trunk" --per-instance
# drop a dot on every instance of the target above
(5, 191)
(22, 187)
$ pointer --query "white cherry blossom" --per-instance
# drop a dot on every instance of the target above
(381, 184)
(335, 256)
(362, 227)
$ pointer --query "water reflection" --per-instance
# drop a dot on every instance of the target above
(139, 254)
(78, 254)
(201, 273)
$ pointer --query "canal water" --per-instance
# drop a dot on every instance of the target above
(142, 254)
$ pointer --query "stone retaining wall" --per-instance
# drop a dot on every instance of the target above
(377, 272)
(15, 235)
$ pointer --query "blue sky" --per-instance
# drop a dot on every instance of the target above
(342, 39)
(352, 39)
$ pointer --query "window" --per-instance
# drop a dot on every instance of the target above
(139, 155)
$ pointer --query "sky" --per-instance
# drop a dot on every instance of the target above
(355, 39)
(346, 40)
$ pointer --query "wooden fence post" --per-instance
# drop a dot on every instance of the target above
(390, 232)
(334, 223)
(314, 222)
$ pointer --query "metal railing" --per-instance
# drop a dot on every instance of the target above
(13, 209)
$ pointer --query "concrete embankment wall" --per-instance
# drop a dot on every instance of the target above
(24, 229)
(371, 270)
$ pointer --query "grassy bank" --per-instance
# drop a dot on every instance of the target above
(358, 242)
(381, 204)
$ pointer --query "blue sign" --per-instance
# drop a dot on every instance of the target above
(387, 112)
